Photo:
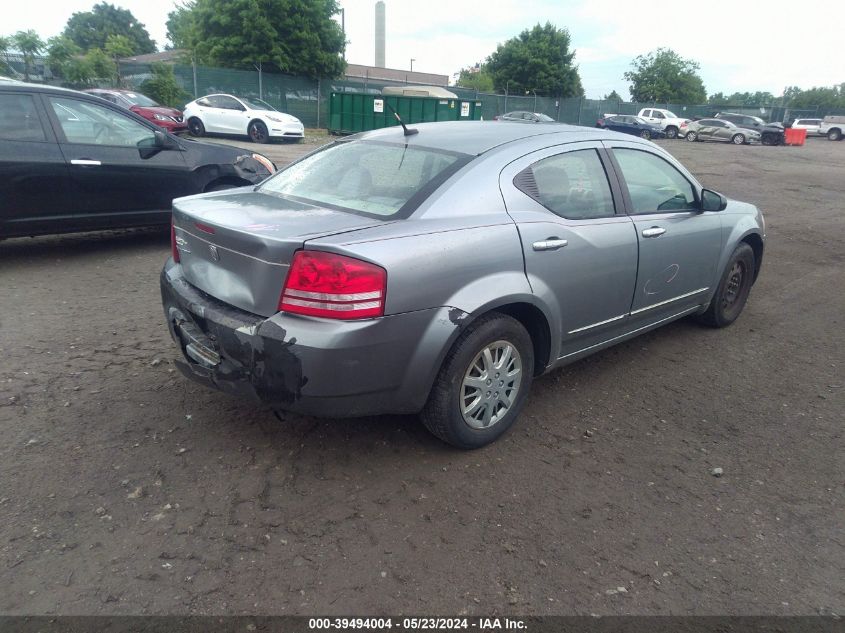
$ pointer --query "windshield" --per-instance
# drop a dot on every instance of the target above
(257, 104)
(376, 179)
(139, 100)
(671, 115)
(544, 118)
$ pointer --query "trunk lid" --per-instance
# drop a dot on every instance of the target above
(237, 245)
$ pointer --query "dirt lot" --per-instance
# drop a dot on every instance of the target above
(126, 489)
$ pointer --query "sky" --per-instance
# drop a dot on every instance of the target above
(741, 47)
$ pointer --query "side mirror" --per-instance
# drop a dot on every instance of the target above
(713, 201)
(162, 140)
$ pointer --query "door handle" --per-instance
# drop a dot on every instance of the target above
(85, 161)
(654, 231)
(551, 244)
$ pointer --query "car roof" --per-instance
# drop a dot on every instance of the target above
(478, 137)
(30, 87)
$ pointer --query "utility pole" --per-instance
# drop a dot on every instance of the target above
(412, 64)
(260, 81)
(343, 28)
(507, 83)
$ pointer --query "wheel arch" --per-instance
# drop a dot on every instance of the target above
(257, 119)
(756, 243)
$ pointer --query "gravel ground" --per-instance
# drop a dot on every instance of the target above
(128, 490)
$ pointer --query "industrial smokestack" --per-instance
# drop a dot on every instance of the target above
(380, 34)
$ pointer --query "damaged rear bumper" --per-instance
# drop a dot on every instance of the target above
(313, 366)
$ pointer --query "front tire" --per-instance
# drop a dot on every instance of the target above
(258, 132)
(738, 139)
(733, 290)
(195, 127)
(671, 132)
(645, 134)
(834, 135)
(691, 136)
(483, 383)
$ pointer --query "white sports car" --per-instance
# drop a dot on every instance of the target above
(226, 114)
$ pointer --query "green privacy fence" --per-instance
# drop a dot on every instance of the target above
(309, 99)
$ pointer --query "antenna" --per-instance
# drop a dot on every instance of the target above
(408, 131)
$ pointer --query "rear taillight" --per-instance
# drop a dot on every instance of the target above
(333, 286)
(174, 250)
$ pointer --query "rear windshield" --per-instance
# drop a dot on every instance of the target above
(371, 178)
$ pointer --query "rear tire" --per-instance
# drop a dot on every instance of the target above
(671, 132)
(195, 127)
(490, 364)
(834, 135)
(733, 290)
(645, 134)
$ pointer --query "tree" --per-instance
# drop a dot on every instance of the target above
(718, 99)
(822, 97)
(29, 44)
(476, 78)
(613, 96)
(5, 44)
(162, 86)
(78, 72)
(292, 36)
(664, 76)
(91, 29)
(118, 46)
(536, 60)
(60, 51)
(745, 99)
(101, 65)
(181, 30)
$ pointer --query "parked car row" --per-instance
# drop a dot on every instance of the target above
(212, 114)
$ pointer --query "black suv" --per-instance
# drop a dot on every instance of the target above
(74, 162)
(742, 120)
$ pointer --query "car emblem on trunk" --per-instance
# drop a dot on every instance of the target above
(214, 254)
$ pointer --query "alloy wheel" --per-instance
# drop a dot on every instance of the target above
(491, 384)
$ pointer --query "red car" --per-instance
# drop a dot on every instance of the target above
(168, 118)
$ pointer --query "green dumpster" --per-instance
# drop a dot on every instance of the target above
(351, 112)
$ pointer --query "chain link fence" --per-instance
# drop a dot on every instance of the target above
(308, 99)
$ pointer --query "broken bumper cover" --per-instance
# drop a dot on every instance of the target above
(318, 367)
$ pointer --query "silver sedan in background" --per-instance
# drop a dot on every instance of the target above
(720, 130)
(440, 270)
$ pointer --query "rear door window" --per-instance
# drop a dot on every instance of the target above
(19, 120)
(374, 179)
(572, 185)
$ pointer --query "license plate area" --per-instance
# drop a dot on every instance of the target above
(196, 345)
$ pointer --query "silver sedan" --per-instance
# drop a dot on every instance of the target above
(719, 130)
(439, 272)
